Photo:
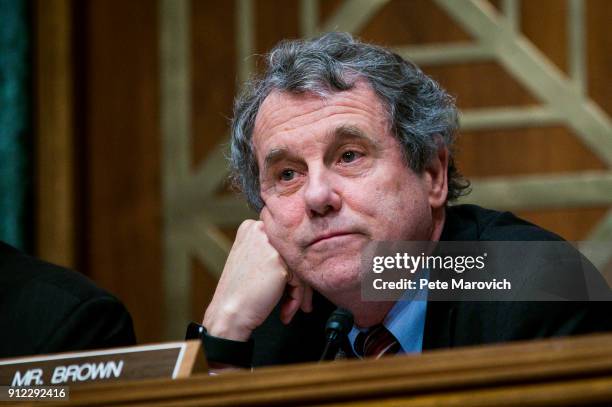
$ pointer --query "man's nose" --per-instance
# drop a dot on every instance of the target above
(320, 196)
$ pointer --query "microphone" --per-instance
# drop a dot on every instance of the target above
(337, 327)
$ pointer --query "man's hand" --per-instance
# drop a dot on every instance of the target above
(254, 279)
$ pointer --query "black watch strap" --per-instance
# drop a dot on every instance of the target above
(222, 350)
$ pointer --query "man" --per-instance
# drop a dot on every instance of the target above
(339, 144)
(47, 309)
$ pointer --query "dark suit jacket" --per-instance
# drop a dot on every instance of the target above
(45, 309)
(450, 324)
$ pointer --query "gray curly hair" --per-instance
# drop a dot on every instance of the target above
(421, 114)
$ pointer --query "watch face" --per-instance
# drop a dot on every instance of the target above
(194, 331)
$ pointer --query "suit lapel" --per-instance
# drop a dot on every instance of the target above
(439, 325)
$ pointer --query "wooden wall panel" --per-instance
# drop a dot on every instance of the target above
(275, 20)
(480, 85)
(548, 31)
(54, 123)
(402, 22)
(213, 84)
(203, 284)
(327, 8)
(544, 22)
(599, 55)
(121, 156)
(573, 224)
(536, 150)
(213, 73)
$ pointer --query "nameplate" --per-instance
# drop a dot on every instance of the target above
(165, 360)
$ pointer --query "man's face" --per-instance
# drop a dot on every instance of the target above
(333, 178)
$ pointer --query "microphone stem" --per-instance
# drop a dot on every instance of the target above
(332, 338)
(324, 355)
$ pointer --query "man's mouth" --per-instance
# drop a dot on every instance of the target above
(330, 236)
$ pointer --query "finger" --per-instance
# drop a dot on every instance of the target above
(266, 219)
(291, 303)
(290, 278)
(264, 214)
(307, 300)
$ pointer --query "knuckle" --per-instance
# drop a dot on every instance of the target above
(277, 258)
(245, 225)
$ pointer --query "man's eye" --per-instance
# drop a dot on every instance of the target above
(350, 156)
(287, 175)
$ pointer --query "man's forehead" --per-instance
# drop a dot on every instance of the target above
(280, 106)
(275, 107)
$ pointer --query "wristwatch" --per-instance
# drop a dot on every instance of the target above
(221, 350)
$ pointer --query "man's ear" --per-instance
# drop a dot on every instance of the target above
(436, 176)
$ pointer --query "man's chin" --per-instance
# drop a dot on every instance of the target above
(332, 282)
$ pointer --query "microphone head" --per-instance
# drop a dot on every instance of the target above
(339, 322)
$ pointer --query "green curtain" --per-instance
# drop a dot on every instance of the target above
(15, 151)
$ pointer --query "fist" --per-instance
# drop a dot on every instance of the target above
(255, 278)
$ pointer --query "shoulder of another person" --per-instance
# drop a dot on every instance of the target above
(21, 274)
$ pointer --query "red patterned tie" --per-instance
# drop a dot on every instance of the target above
(376, 342)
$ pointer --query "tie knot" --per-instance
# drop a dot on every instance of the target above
(376, 342)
